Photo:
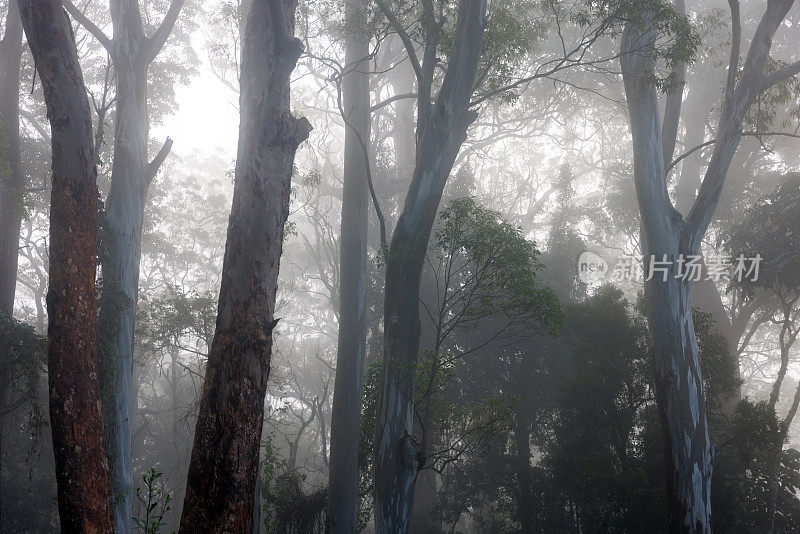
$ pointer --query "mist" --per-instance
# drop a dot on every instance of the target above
(468, 266)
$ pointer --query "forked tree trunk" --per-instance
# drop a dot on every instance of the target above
(84, 493)
(131, 52)
(221, 482)
(666, 236)
(398, 456)
(346, 412)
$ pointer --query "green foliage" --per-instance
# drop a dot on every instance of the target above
(500, 268)
(153, 503)
(677, 39)
(778, 100)
(771, 228)
(598, 456)
(717, 363)
(740, 492)
(288, 509)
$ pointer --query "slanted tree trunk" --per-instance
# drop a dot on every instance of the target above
(666, 236)
(131, 52)
(705, 294)
(224, 463)
(12, 186)
(442, 128)
(346, 411)
(84, 492)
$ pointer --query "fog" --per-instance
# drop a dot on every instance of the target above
(505, 266)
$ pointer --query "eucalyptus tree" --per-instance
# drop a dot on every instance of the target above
(221, 483)
(12, 186)
(84, 490)
(667, 236)
(355, 101)
(132, 52)
(441, 128)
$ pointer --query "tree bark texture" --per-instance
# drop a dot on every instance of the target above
(131, 52)
(398, 453)
(12, 184)
(84, 493)
(346, 411)
(224, 463)
(666, 236)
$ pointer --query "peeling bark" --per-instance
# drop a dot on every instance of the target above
(131, 52)
(222, 473)
(666, 236)
(84, 493)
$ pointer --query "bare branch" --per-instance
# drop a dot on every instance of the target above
(156, 42)
(90, 26)
(403, 34)
(153, 166)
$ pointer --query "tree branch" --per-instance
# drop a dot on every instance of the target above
(672, 110)
(780, 75)
(403, 34)
(156, 41)
(153, 166)
(90, 26)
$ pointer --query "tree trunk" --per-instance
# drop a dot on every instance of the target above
(705, 294)
(84, 493)
(687, 449)
(667, 236)
(398, 455)
(12, 185)
(119, 259)
(224, 463)
(525, 507)
(131, 52)
(343, 479)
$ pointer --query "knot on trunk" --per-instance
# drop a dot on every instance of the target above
(410, 453)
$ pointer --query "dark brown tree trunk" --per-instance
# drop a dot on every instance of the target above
(12, 185)
(131, 52)
(84, 493)
(346, 411)
(398, 456)
(224, 463)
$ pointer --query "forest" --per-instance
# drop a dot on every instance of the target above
(399, 266)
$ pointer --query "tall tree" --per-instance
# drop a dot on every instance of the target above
(222, 472)
(131, 52)
(12, 186)
(441, 129)
(347, 396)
(84, 492)
(667, 236)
